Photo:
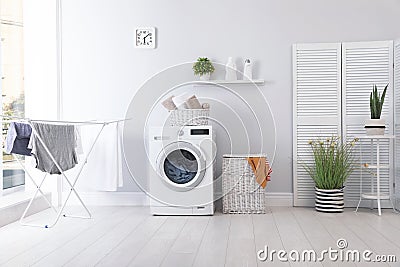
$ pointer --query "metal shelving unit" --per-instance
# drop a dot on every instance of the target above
(375, 193)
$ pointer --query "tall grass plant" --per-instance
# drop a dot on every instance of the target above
(333, 162)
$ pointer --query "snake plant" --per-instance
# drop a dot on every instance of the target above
(376, 101)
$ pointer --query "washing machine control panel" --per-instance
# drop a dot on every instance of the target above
(186, 132)
(195, 132)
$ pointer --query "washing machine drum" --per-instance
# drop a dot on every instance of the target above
(181, 166)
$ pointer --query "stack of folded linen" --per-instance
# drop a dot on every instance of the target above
(186, 110)
(184, 101)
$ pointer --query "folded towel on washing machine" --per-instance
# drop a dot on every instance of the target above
(180, 100)
(193, 103)
(169, 104)
(261, 169)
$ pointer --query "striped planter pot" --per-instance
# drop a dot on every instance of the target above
(329, 200)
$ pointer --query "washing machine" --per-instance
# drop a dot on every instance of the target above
(181, 173)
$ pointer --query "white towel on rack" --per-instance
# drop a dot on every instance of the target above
(104, 167)
(78, 140)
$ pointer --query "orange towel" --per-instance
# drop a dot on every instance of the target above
(261, 169)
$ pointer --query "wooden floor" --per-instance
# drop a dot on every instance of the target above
(130, 236)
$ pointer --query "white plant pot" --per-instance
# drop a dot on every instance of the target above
(375, 127)
(205, 77)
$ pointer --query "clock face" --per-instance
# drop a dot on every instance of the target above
(145, 38)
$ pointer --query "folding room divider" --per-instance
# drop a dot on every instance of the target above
(397, 123)
(331, 87)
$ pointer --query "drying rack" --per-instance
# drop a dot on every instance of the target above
(71, 181)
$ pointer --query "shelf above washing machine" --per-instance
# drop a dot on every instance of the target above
(244, 82)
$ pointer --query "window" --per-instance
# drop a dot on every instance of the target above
(12, 80)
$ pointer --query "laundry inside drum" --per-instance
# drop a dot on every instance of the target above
(180, 166)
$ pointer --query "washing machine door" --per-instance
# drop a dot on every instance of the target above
(181, 166)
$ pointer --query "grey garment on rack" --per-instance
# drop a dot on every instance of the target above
(60, 141)
(17, 139)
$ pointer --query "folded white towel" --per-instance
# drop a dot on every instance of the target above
(180, 100)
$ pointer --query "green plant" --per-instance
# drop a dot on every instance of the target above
(332, 162)
(376, 101)
(203, 66)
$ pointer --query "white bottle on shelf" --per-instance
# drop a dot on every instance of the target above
(248, 70)
(230, 70)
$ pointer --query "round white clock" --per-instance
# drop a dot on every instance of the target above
(145, 37)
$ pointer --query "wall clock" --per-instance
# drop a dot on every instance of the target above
(145, 37)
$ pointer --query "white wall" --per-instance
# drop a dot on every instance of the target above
(102, 70)
(40, 70)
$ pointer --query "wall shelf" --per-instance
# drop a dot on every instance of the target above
(258, 81)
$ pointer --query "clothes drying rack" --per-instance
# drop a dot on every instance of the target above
(71, 181)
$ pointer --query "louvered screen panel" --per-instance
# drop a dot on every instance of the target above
(316, 113)
(365, 64)
(397, 121)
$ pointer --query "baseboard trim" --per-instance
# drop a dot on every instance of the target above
(110, 199)
(13, 206)
(279, 199)
(141, 199)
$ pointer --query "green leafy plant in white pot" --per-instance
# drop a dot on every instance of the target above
(376, 125)
(203, 68)
(332, 163)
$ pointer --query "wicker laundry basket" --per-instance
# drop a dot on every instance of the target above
(241, 192)
(189, 117)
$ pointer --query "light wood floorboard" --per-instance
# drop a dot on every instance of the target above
(185, 247)
(157, 248)
(212, 250)
(90, 255)
(241, 242)
(266, 234)
(338, 229)
(291, 233)
(130, 236)
(316, 234)
(85, 239)
(377, 242)
(129, 248)
(26, 245)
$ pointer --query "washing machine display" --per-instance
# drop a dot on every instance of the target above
(180, 166)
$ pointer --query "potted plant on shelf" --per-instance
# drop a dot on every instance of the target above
(203, 67)
(332, 163)
(376, 125)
